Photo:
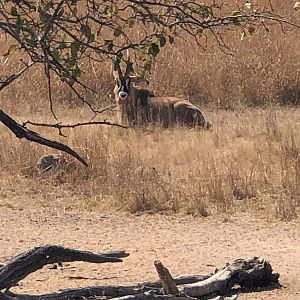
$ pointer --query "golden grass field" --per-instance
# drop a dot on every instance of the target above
(249, 161)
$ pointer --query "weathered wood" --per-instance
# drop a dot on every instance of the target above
(182, 279)
(248, 274)
(153, 296)
(24, 264)
(253, 272)
(80, 293)
(168, 283)
(105, 291)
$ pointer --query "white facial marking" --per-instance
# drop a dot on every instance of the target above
(123, 95)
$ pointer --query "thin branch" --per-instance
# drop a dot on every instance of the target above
(15, 76)
(64, 126)
(22, 132)
(47, 72)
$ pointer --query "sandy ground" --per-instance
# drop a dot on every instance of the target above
(184, 244)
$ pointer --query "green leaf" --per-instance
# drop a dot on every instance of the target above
(251, 30)
(131, 23)
(11, 49)
(147, 66)
(75, 46)
(206, 12)
(86, 30)
(30, 41)
(55, 53)
(92, 38)
(76, 72)
(171, 39)
(62, 45)
(118, 31)
(70, 81)
(153, 49)
(162, 41)
(109, 45)
(14, 12)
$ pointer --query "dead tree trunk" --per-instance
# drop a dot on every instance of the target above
(248, 273)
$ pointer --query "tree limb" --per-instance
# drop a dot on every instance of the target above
(22, 132)
(15, 76)
(26, 263)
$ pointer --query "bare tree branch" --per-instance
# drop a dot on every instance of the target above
(22, 132)
(15, 76)
(64, 126)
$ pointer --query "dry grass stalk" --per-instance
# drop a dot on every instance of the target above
(251, 163)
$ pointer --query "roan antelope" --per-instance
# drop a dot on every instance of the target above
(137, 106)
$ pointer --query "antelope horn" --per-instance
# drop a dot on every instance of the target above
(129, 65)
(128, 55)
(129, 69)
(117, 67)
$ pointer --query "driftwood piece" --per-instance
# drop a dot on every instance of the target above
(110, 291)
(24, 264)
(79, 293)
(153, 296)
(86, 295)
(168, 283)
(247, 273)
(182, 279)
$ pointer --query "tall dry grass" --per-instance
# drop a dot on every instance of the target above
(262, 69)
(249, 161)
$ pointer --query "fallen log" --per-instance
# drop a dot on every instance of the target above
(246, 273)
(26, 263)
(154, 296)
(108, 291)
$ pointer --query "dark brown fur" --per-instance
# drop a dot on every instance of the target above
(141, 108)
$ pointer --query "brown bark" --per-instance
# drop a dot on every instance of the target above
(247, 273)
(26, 263)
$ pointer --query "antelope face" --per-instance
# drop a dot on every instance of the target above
(122, 88)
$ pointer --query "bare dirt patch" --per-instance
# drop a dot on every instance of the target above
(185, 245)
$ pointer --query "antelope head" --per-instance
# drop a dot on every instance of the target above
(122, 87)
(125, 82)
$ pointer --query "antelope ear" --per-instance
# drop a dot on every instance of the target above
(138, 79)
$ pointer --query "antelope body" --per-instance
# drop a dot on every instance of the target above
(137, 106)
